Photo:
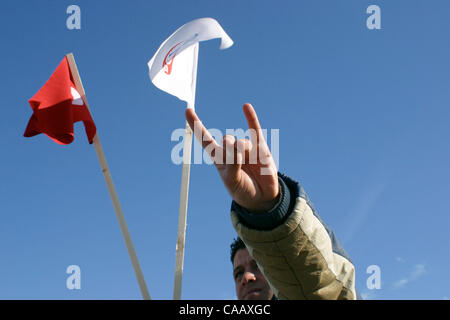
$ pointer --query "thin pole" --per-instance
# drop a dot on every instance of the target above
(111, 188)
(182, 217)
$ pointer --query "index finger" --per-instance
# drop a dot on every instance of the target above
(201, 133)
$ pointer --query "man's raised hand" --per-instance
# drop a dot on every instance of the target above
(246, 167)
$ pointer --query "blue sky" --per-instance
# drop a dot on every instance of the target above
(362, 116)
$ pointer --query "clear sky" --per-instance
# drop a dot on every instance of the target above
(363, 118)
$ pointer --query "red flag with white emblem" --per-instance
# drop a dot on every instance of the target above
(57, 106)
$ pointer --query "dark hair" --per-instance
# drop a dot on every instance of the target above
(237, 244)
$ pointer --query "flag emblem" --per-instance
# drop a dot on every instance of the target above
(76, 97)
(168, 59)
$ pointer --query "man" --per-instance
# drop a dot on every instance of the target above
(288, 248)
(249, 281)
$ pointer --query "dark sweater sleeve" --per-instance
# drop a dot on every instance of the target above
(273, 218)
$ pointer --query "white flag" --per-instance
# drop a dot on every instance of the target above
(173, 67)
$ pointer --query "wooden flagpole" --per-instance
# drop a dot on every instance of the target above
(111, 188)
(182, 217)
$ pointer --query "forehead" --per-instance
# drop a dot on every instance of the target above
(242, 257)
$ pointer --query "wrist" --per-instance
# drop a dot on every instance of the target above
(273, 216)
(266, 206)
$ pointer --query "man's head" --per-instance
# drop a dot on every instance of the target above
(249, 281)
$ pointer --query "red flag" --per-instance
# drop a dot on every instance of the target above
(57, 106)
